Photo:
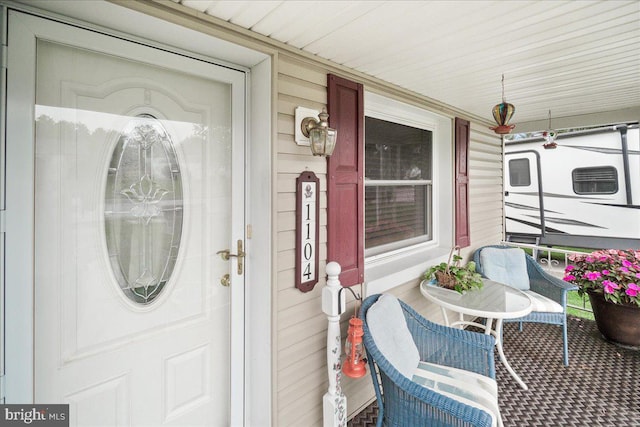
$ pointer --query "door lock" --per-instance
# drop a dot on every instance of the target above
(226, 255)
(225, 280)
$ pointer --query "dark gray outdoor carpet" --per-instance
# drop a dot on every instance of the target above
(600, 387)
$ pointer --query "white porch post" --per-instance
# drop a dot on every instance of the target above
(334, 402)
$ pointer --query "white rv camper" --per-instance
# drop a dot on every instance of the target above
(585, 192)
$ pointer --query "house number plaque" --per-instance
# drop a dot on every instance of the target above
(307, 230)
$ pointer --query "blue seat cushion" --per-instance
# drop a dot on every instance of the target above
(508, 266)
(389, 330)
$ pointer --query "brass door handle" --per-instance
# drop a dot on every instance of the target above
(226, 255)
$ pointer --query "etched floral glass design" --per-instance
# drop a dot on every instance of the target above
(143, 209)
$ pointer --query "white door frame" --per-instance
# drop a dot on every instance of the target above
(19, 287)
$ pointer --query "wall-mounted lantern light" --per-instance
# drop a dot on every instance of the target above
(315, 133)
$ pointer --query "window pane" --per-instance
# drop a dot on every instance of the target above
(395, 213)
(396, 152)
(143, 209)
(519, 173)
(598, 180)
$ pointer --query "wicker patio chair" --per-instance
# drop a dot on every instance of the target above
(406, 400)
(512, 266)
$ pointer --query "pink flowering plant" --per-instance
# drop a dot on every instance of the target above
(613, 273)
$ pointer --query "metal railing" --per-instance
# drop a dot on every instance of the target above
(553, 261)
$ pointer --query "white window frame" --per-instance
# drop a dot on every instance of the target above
(384, 271)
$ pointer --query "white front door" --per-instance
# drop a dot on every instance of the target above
(137, 184)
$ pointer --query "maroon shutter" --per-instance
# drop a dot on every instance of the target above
(463, 235)
(345, 180)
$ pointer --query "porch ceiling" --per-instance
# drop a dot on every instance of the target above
(570, 57)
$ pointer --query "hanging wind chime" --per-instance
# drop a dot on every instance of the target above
(550, 136)
(502, 113)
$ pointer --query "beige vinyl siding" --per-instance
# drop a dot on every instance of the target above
(485, 187)
(301, 375)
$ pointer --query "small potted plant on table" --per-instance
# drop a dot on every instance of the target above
(452, 275)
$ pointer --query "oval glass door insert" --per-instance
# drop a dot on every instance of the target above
(143, 209)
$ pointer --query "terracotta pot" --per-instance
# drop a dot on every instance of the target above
(618, 323)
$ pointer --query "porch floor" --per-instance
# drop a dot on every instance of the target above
(600, 387)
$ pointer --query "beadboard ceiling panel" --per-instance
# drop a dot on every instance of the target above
(571, 57)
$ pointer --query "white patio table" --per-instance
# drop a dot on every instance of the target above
(495, 301)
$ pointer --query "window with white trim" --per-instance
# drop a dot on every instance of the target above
(409, 191)
(410, 134)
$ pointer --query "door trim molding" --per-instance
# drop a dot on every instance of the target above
(20, 220)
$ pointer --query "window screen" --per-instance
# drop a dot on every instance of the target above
(519, 173)
(398, 173)
(596, 180)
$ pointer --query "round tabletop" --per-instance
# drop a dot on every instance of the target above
(495, 300)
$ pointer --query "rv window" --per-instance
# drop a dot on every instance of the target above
(519, 173)
(398, 184)
(597, 180)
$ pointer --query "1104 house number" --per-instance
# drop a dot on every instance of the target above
(307, 230)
